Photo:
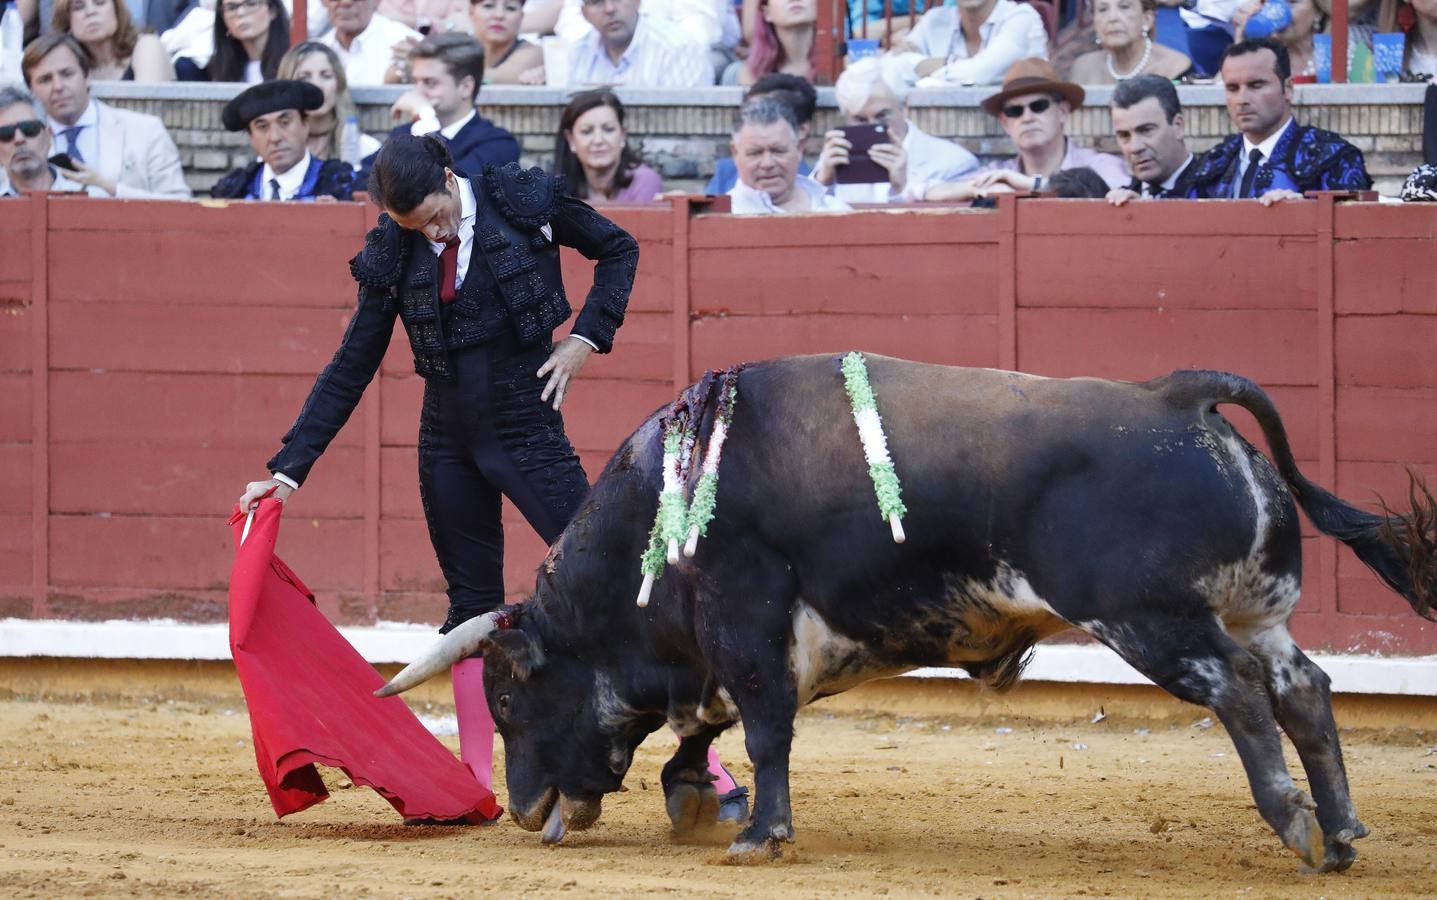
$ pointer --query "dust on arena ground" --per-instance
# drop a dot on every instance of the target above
(128, 779)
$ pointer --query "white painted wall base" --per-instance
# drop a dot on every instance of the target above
(402, 643)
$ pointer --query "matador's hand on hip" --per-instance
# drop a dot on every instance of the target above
(562, 365)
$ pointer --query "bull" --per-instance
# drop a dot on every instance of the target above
(1133, 512)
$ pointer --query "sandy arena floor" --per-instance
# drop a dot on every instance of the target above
(148, 796)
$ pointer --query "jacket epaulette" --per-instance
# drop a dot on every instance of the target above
(527, 198)
(381, 263)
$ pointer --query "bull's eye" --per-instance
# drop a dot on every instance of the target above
(502, 702)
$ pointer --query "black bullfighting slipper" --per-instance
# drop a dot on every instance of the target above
(733, 806)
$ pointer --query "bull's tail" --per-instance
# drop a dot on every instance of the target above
(1400, 548)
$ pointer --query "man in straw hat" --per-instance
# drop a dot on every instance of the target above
(1033, 108)
(274, 113)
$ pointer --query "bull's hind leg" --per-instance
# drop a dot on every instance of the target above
(1196, 661)
(1302, 698)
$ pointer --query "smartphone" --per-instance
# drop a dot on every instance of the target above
(861, 169)
(63, 161)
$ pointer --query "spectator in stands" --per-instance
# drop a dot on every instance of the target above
(1124, 30)
(273, 113)
(593, 153)
(873, 91)
(374, 49)
(448, 69)
(784, 40)
(710, 24)
(1210, 31)
(157, 16)
(636, 51)
(1308, 19)
(117, 49)
(1033, 107)
(250, 38)
(801, 97)
(506, 56)
(1272, 157)
(765, 146)
(1148, 122)
(974, 42)
(428, 16)
(319, 65)
(1081, 183)
(117, 153)
(1418, 20)
(25, 147)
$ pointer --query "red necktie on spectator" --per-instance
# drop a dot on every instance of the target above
(448, 269)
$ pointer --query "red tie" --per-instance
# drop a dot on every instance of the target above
(448, 269)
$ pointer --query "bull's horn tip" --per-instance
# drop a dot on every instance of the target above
(389, 690)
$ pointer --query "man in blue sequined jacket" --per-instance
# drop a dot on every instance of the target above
(1272, 157)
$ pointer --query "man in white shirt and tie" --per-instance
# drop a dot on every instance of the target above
(116, 152)
(1148, 123)
(365, 41)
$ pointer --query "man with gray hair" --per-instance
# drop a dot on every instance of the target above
(766, 150)
(25, 142)
(874, 91)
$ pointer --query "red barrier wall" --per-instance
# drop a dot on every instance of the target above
(179, 341)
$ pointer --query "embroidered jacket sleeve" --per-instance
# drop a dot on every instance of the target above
(337, 390)
(616, 253)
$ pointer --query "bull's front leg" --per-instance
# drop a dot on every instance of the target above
(689, 793)
(768, 715)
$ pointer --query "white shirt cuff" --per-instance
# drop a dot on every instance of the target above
(580, 337)
(285, 480)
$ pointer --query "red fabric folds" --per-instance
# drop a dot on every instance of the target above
(310, 697)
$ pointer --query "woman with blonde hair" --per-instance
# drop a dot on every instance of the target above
(120, 52)
(319, 65)
(1124, 32)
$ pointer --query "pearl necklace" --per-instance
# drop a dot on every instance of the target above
(1147, 54)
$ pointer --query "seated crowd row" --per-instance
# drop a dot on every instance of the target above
(687, 43)
(291, 124)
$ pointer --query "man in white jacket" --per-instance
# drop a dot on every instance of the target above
(115, 152)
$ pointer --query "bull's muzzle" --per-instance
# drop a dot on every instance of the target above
(556, 814)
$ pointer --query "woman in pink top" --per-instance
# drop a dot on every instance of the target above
(593, 154)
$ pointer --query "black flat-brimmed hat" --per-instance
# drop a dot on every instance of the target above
(267, 97)
(1033, 76)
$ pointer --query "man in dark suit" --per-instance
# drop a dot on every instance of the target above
(1148, 123)
(447, 70)
(274, 113)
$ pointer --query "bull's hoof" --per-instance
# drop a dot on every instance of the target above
(692, 808)
(1303, 836)
(744, 852)
(1340, 854)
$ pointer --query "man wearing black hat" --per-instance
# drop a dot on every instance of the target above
(274, 114)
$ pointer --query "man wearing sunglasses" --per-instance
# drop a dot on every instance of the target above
(25, 148)
(1033, 107)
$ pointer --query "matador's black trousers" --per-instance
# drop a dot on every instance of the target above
(484, 435)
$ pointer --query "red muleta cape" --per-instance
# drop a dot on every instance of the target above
(310, 698)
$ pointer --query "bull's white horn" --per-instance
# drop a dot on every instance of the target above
(691, 546)
(897, 525)
(644, 590)
(454, 646)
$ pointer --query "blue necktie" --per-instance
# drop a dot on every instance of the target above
(1250, 175)
(72, 142)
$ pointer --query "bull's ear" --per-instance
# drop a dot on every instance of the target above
(516, 649)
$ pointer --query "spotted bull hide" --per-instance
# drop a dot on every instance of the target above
(1132, 512)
